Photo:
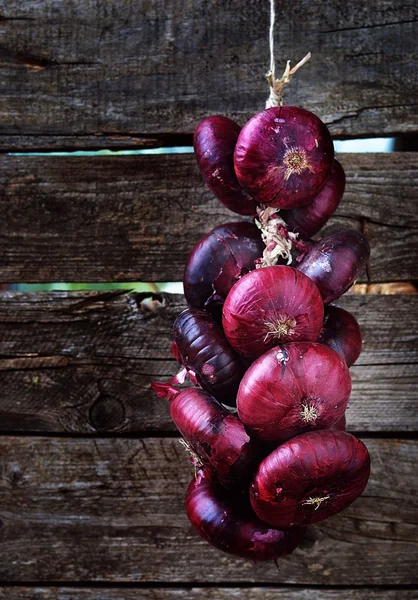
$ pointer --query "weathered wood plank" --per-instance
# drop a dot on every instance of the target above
(129, 68)
(197, 593)
(137, 218)
(83, 362)
(112, 510)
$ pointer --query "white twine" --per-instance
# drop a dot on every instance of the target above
(277, 85)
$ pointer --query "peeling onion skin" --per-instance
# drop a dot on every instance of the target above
(270, 306)
(203, 348)
(214, 434)
(342, 333)
(229, 524)
(214, 143)
(218, 260)
(283, 156)
(330, 466)
(308, 220)
(335, 262)
(293, 389)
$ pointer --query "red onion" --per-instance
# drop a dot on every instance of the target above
(310, 478)
(342, 333)
(341, 425)
(297, 388)
(202, 347)
(270, 306)
(214, 143)
(218, 260)
(229, 524)
(283, 156)
(217, 437)
(308, 220)
(335, 262)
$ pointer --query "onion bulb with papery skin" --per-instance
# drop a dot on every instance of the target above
(202, 347)
(283, 156)
(228, 523)
(308, 220)
(310, 478)
(292, 389)
(218, 260)
(342, 333)
(270, 306)
(214, 143)
(213, 434)
(335, 262)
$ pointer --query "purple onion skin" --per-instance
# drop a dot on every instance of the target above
(293, 389)
(271, 306)
(331, 466)
(342, 333)
(215, 435)
(218, 260)
(335, 262)
(308, 220)
(214, 144)
(203, 348)
(340, 425)
(228, 523)
(283, 156)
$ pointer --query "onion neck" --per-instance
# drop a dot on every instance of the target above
(279, 241)
(165, 390)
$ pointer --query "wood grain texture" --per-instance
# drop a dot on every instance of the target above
(129, 68)
(136, 218)
(83, 362)
(113, 510)
(196, 593)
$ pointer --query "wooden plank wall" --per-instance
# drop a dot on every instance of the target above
(92, 476)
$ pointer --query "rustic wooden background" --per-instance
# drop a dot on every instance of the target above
(92, 477)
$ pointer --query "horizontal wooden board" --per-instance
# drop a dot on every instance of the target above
(83, 362)
(136, 218)
(73, 68)
(197, 593)
(113, 510)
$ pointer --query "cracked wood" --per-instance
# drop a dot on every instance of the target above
(137, 218)
(79, 69)
(83, 362)
(113, 510)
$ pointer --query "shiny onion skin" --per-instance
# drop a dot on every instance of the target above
(214, 143)
(270, 306)
(283, 156)
(202, 347)
(310, 478)
(212, 432)
(335, 262)
(218, 260)
(308, 220)
(293, 389)
(229, 524)
(342, 333)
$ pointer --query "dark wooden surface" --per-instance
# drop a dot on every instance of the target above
(113, 510)
(83, 362)
(137, 218)
(225, 593)
(82, 69)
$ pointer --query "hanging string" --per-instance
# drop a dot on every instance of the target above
(277, 85)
